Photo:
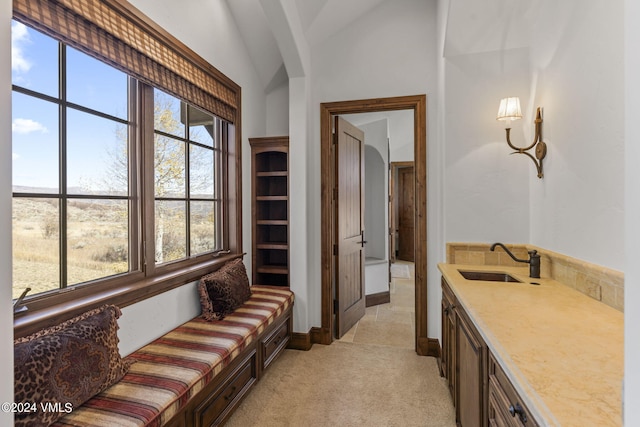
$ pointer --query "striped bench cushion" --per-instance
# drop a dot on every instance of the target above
(170, 370)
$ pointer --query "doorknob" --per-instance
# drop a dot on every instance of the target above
(362, 242)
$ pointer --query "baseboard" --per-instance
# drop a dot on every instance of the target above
(320, 336)
(377, 299)
(300, 341)
(433, 347)
(428, 347)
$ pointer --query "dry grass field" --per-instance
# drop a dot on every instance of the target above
(97, 240)
(97, 243)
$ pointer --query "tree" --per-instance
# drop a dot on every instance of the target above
(170, 174)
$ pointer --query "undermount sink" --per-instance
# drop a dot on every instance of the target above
(488, 276)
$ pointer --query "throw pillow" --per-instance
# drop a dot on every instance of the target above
(224, 290)
(67, 364)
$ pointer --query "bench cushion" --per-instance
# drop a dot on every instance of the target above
(170, 370)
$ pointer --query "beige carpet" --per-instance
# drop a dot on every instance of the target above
(349, 384)
(370, 377)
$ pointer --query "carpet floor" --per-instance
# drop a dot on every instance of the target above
(370, 377)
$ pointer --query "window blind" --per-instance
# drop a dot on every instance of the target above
(115, 32)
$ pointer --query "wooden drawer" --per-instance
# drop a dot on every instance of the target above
(215, 409)
(275, 342)
(504, 401)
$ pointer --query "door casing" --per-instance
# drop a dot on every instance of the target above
(418, 103)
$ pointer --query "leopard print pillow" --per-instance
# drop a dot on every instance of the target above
(67, 364)
(224, 290)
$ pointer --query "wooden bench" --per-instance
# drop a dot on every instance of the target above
(197, 374)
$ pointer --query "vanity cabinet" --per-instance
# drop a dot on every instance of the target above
(470, 361)
(463, 362)
(447, 361)
(482, 393)
(505, 404)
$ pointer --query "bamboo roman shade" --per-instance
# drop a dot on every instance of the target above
(115, 32)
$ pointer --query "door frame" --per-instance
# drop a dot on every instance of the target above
(418, 103)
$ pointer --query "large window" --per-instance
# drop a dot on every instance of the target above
(187, 177)
(83, 144)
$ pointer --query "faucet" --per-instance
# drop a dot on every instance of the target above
(533, 261)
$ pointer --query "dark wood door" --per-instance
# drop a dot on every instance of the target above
(406, 211)
(350, 293)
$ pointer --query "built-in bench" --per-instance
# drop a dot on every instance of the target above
(197, 374)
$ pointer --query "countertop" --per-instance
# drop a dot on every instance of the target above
(562, 350)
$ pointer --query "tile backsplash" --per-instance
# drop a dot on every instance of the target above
(598, 282)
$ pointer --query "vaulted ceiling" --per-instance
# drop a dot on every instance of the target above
(277, 32)
(318, 20)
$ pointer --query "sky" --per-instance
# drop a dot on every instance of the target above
(34, 64)
(91, 139)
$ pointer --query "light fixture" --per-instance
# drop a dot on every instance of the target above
(510, 110)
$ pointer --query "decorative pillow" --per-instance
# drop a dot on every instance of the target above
(67, 364)
(224, 290)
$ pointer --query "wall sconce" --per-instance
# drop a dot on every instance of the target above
(510, 110)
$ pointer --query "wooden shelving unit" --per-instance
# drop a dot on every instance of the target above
(270, 210)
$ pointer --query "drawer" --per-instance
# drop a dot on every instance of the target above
(218, 406)
(275, 342)
(508, 401)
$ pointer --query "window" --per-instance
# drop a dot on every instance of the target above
(72, 200)
(102, 182)
(187, 177)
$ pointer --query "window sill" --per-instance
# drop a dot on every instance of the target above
(37, 318)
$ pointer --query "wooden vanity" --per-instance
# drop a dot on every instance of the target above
(522, 354)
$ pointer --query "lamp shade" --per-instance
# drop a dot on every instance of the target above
(509, 109)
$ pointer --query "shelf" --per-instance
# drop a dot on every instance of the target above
(273, 245)
(270, 210)
(273, 269)
(271, 198)
(274, 173)
(272, 222)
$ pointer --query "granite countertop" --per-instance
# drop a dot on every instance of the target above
(562, 350)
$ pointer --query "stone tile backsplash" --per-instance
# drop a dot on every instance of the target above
(598, 282)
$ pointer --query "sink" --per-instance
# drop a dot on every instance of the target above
(488, 276)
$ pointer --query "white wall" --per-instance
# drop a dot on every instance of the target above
(376, 189)
(151, 318)
(278, 111)
(390, 51)
(6, 311)
(632, 213)
(577, 59)
(486, 189)
(572, 68)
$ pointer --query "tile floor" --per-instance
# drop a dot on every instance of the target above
(390, 324)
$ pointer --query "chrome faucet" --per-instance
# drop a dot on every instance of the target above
(533, 261)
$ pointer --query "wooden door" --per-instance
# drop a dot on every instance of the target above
(349, 181)
(406, 211)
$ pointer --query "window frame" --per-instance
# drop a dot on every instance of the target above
(148, 279)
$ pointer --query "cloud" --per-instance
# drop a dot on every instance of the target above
(19, 38)
(25, 126)
(15, 156)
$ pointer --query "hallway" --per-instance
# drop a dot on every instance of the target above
(370, 377)
(391, 324)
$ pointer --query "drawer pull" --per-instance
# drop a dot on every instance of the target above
(231, 393)
(518, 410)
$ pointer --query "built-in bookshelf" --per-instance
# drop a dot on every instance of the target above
(270, 210)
